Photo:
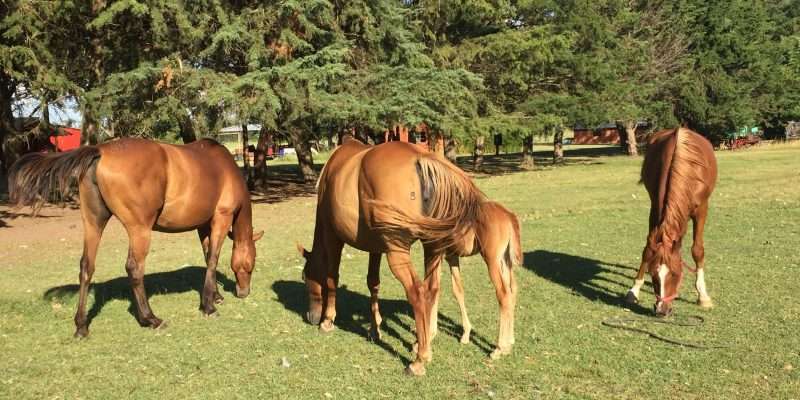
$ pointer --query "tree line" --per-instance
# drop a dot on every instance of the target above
(306, 69)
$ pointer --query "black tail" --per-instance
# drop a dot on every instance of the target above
(35, 177)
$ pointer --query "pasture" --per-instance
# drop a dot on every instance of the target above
(583, 228)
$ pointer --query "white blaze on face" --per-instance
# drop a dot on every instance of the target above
(662, 275)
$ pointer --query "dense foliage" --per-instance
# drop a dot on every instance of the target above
(310, 68)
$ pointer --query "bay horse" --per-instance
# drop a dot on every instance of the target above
(679, 173)
(148, 186)
(496, 237)
(381, 199)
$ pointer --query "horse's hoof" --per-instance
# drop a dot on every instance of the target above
(705, 303)
(465, 338)
(498, 353)
(81, 333)
(218, 299)
(212, 314)
(416, 368)
(375, 335)
(326, 326)
(157, 324)
(630, 298)
(313, 318)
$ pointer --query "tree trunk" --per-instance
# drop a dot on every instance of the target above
(245, 153)
(450, 149)
(527, 152)
(90, 127)
(477, 159)
(186, 126)
(260, 167)
(304, 157)
(558, 145)
(630, 133)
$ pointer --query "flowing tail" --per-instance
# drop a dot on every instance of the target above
(514, 254)
(451, 206)
(35, 177)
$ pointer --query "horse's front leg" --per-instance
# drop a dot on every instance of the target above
(219, 230)
(458, 293)
(633, 294)
(137, 252)
(699, 256)
(204, 233)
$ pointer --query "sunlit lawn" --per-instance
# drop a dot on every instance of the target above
(583, 228)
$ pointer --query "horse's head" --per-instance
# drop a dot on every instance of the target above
(243, 260)
(666, 270)
(314, 285)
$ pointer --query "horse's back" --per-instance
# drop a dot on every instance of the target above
(181, 186)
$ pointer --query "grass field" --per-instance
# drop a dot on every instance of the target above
(583, 227)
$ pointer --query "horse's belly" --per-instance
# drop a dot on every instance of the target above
(180, 216)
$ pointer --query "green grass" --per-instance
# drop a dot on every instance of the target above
(583, 229)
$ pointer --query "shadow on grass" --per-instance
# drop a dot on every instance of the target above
(584, 275)
(284, 183)
(352, 315)
(186, 279)
(510, 162)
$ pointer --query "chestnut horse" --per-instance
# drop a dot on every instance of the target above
(148, 186)
(382, 199)
(679, 173)
(496, 237)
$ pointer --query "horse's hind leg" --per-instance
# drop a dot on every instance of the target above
(204, 232)
(698, 254)
(95, 215)
(501, 275)
(137, 253)
(374, 283)
(458, 292)
(403, 270)
(433, 263)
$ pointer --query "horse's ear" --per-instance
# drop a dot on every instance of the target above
(303, 252)
(257, 235)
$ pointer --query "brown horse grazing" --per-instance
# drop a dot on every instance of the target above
(679, 173)
(148, 186)
(382, 199)
(496, 237)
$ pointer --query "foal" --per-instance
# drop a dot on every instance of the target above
(679, 173)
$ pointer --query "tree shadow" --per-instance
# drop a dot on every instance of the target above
(183, 280)
(584, 276)
(352, 316)
(10, 215)
(284, 183)
(511, 162)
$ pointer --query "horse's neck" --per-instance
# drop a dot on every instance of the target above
(243, 225)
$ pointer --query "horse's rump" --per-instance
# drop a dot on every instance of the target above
(450, 206)
(37, 176)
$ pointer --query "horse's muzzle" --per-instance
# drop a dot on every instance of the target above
(242, 293)
(663, 309)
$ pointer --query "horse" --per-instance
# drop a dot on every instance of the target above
(497, 238)
(381, 199)
(679, 173)
(148, 186)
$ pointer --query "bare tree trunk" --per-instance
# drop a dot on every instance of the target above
(260, 167)
(630, 133)
(186, 126)
(450, 149)
(245, 154)
(558, 145)
(527, 152)
(305, 159)
(477, 159)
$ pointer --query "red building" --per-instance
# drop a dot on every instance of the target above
(66, 139)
